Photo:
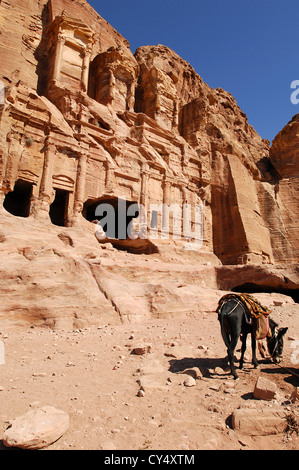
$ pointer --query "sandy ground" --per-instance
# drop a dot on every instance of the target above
(92, 374)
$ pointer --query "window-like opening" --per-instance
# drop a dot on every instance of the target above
(17, 202)
(58, 209)
(154, 219)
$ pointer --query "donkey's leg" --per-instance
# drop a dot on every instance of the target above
(230, 352)
(244, 338)
(253, 346)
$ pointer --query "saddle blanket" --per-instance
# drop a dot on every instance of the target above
(258, 314)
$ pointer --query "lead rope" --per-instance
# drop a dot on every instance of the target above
(289, 370)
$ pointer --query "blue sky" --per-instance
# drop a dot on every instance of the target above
(248, 47)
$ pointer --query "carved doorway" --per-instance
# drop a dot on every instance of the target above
(59, 208)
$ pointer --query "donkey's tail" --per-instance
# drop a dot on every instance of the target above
(222, 319)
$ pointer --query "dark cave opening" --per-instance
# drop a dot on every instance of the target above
(115, 215)
(112, 214)
(252, 288)
(17, 202)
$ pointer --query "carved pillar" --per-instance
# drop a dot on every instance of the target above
(165, 209)
(46, 188)
(58, 56)
(112, 85)
(175, 121)
(80, 184)
(41, 205)
(131, 96)
(11, 160)
(143, 200)
(110, 177)
(85, 69)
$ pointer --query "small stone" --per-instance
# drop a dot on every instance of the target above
(189, 381)
(170, 353)
(215, 387)
(141, 393)
(140, 350)
(194, 372)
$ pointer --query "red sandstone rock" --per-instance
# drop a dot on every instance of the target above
(264, 389)
(37, 428)
(86, 122)
(259, 422)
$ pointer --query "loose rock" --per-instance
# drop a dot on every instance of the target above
(37, 428)
(259, 422)
(189, 381)
(140, 350)
(264, 389)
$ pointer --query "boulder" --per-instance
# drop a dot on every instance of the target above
(259, 422)
(264, 389)
(37, 428)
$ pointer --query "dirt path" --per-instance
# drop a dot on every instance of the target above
(92, 375)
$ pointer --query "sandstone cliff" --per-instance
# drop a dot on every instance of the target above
(85, 123)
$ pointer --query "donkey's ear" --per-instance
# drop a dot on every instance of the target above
(282, 331)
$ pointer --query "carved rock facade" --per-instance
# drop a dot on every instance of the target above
(85, 122)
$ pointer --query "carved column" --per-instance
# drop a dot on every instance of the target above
(46, 188)
(110, 177)
(143, 200)
(175, 121)
(58, 56)
(41, 205)
(165, 210)
(112, 85)
(85, 69)
(80, 184)
(131, 96)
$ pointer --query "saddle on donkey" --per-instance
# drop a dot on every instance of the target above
(256, 314)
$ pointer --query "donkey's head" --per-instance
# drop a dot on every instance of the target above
(275, 341)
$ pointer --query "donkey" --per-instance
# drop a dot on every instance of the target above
(234, 322)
